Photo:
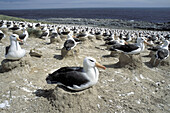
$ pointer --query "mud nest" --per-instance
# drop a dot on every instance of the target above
(129, 61)
(7, 65)
(64, 101)
(155, 62)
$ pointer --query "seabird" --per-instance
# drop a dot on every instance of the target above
(2, 35)
(70, 43)
(131, 48)
(24, 36)
(77, 78)
(14, 51)
(54, 36)
(128, 38)
(15, 28)
(163, 52)
(45, 33)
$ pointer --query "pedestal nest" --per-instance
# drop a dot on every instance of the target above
(73, 52)
(83, 38)
(55, 40)
(63, 37)
(7, 65)
(129, 61)
(99, 37)
(151, 54)
(114, 53)
(92, 37)
(156, 63)
(77, 102)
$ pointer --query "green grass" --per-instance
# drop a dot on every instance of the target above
(10, 18)
(34, 32)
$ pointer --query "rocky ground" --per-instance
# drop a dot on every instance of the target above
(111, 23)
(143, 89)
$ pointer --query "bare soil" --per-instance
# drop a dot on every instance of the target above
(119, 89)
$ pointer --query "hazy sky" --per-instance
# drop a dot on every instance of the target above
(38, 4)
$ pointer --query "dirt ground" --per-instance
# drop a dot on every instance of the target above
(119, 90)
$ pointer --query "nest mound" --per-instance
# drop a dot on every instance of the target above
(7, 65)
(130, 61)
(155, 62)
(65, 101)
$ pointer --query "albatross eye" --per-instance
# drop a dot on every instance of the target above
(91, 60)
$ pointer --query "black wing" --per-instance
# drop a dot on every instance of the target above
(98, 33)
(1, 35)
(68, 44)
(68, 76)
(108, 39)
(125, 48)
(54, 34)
(129, 47)
(6, 49)
(77, 40)
(162, 53)
(111, 42)
(67, 69)
(44, 34)
(65, 33)
(37, 25)
(14, 28)
(22, 36)
(153, 48)
(81, 35)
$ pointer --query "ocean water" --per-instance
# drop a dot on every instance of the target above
(137, 14)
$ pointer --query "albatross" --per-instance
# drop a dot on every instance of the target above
(2, 35)
(70, 43)
(14, 51)
(24, 36)
(163, 52)
(131, 48)
(77, 78)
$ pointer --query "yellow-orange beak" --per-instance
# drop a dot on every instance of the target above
(100, 66)
(18, 39)
(74, 36)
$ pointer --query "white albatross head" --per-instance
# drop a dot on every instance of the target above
(15, 37)
(90, 62)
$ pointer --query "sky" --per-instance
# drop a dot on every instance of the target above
(45, 4)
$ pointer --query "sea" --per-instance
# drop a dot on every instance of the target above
(155, 15)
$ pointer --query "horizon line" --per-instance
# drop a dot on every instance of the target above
(81, 8)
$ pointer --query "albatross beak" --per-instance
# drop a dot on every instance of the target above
(100, 66)
(18, 39)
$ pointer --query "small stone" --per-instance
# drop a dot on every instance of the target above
(36, 53)
(163, 81)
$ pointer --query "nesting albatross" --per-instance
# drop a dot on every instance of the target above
(163, 52)
(131, 48)
(77, 78)
(14, 51)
